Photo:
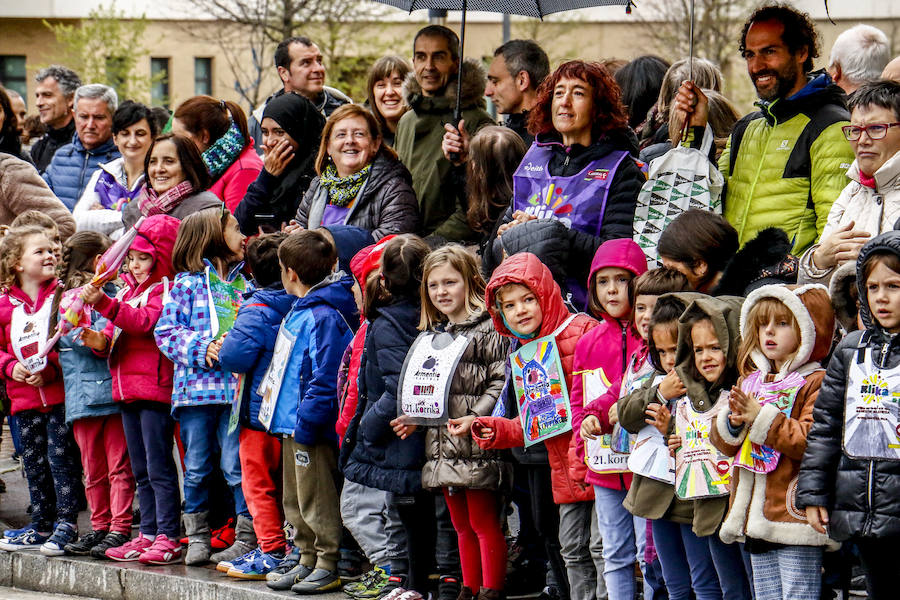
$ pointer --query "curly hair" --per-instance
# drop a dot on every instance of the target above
(608, 111)
(799, 31)
(11, 249)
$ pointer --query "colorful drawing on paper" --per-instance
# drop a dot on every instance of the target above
(650, 456)
(759, 458)
(701, 471)
(540, 388)
(872, 411)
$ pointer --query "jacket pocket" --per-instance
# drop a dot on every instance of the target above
(96, 388)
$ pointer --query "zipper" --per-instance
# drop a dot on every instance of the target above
(43, 398)
(624, 348)
(869, 475)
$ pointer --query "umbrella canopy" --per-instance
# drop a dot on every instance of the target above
(526, 8)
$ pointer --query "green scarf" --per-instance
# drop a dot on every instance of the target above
(342, 190)
(223, 152)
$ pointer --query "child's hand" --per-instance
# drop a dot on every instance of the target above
(460, 426)
(590, 427)
(402, 427)
(20, 373)
(481, 431)
(35, 380)
(90, 294)
(94, 340)
(658, 416)
(671, 386)
(613, 415)
(674, 443)
(817, 516)
(744, 405)
(212, 352)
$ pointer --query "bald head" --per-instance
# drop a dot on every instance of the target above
(892, 70)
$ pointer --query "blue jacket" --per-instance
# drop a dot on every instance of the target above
(321, 323)
(372, 454)
(86, 376)
(248, 347)
(72, 167)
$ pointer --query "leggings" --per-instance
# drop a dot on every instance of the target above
(482, 546)
(417, 515)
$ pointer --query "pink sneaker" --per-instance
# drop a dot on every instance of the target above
(130, 551)
(164, 551)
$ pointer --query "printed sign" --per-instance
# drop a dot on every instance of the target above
(28, 333)
(759, 458)
(650, 456)
(225, 298)
(540, 389)
(426, 376)
(701, 471)
(872, 412)
(599, 454)
(270, 387)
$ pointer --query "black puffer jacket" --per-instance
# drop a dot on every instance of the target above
(387, 202)
(862, 496)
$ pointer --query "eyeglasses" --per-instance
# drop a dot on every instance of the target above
(876, 131)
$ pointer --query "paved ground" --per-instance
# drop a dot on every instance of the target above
(16, 594)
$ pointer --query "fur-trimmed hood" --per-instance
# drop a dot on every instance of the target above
(766, 259)
(473, 82)
(812, 310)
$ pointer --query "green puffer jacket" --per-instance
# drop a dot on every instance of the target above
(785, 165)
(418, 143)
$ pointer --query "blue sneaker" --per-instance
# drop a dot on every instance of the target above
(26, 537)
(225, 565)
(65, 533)
(257, 567)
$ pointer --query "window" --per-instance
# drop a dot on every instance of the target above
(203, 76)
(12, 74)
(159, 82)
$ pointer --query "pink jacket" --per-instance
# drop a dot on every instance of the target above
(21, 395)
(606, 347)
(233, 184)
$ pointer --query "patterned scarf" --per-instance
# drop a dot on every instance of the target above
(152, 203)
(224, 152)
(342, 190)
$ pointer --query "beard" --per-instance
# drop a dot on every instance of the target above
(785, 80)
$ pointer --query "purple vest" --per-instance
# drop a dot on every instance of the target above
(114, 195)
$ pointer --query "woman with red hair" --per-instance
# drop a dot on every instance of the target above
(582, 168)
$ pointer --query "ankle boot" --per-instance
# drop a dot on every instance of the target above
(489, 594)
(465, 593)
(197, 529)
(244, 542)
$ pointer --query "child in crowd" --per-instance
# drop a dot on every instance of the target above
(601, 360)
(706, 363)
(785, 332)
(39, 219)
(35, 388)
(471, 478)
(320, 325)
(142, 383)
(525, 303)
(248, 350)
(96, 420)
(849, 473)
(198, 311)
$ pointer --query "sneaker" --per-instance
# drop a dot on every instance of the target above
(65, 533)
(114, 539)
(287, 580)
(318, 582)
(130, 551)
(256, 567)
(394, 583)
(290, 560)
(370, 586)
(401, 594)
(86, 542)
(163, 551)
(20, 539)
(223, 537)
(448, 587)
(223, 566)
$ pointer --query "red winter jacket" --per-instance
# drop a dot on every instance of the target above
(606, 347)
(139, 370)
(526, 269)
(233, 184)
(21, 395)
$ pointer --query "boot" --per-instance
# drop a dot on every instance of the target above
(465, 593)
(197, 529)
(489, 594)
(244, 542)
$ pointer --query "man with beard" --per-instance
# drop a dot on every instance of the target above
(786, 163)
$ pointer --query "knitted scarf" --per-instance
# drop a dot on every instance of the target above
(224, 152)
(342, 190)
(152, 203)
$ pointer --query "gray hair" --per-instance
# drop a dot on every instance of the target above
(67, 79)
(862, 52)
(98, 91)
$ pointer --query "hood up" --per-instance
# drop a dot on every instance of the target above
(156, 237)
(886, 242)
(621, 253)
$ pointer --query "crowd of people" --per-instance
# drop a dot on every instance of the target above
(350, 340)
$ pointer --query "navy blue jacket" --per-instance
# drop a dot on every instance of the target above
(248, 346)
(372, 454)
(72, 167)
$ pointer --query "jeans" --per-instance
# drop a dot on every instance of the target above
(729, 562)
(204, 432)
(686, 562)
(619, 530)
(582, 550)
(792, 572)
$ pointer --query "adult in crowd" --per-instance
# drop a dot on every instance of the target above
(786, 163)
(55, 102)
(74, 164)
(722, 118)
(9, 127)
(384, 94)
(219, 129)
(640, 81)
(431, 95)
(584, 148)
(870, 203)
(175, 182)
(300, 67)
(891, 71)
(291, 129)
(119, 181)
(858, 55)
(22, 189)
(359, 180)
(518, 68)
(19, 109)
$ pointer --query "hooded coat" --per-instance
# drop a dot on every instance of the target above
(139, 370)
(418, 144)
(606, 347)
(859, 494)
(525, 269)
(763, 505)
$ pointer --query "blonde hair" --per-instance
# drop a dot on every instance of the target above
(761, 313)
(462, 261)
(11, 249)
